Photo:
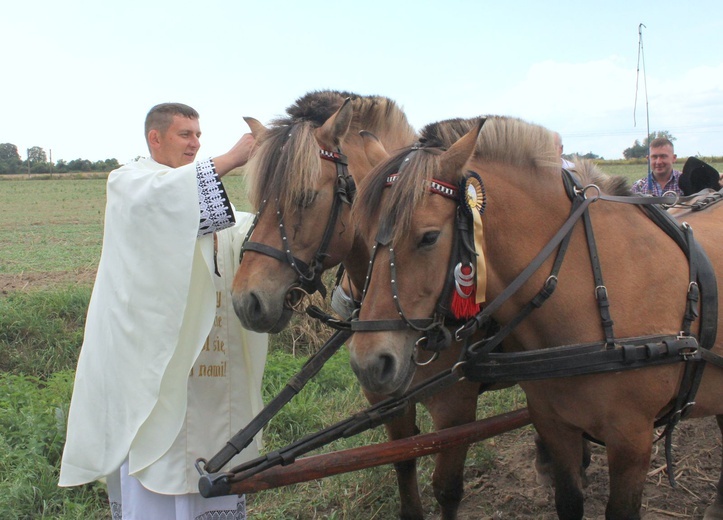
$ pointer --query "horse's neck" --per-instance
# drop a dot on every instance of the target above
(522, 214)
(356, 262)
(631, 252)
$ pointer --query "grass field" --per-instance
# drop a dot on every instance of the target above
(635, 171)
(53, 227)
(57, 225)
(50, 234)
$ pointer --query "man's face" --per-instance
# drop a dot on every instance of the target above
(661, 161)
(179, 144)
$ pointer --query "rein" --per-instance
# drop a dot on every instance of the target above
(486, 365)
(219, 484)
(309, 275)
(483, 363)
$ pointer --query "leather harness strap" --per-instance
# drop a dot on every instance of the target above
(484, 364)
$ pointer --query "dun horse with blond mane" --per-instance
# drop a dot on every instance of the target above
(302, 179)
(575, 274)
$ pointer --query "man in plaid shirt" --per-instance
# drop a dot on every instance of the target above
(662, 177)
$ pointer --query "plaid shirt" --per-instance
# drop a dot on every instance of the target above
(649, 186)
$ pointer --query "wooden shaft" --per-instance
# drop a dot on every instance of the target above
(328, 464)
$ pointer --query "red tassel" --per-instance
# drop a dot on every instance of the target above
(466, 307)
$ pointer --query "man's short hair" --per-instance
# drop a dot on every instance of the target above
(661, 141)
(160, 116)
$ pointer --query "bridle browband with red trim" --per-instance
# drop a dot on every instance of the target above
(436, 335)
(482, 362)
(435, 186)
(309, 275)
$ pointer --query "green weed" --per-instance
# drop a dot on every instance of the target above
(41, 331)
(32, 433)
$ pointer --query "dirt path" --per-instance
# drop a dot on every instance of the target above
(510, 491)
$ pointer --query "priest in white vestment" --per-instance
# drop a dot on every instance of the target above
(166, 373)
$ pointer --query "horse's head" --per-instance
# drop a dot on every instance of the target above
(434, 250)
(409, 205)
(301, 182)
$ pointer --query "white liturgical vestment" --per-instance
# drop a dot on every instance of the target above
(166, 373)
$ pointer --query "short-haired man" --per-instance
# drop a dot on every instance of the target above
(166, 374)
(662, 177)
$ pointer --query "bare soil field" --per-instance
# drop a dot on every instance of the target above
(510, 491)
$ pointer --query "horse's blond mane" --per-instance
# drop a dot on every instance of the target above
(282, 149)
(502, 139)
(382, 117)
(287, 164)
(515, 142)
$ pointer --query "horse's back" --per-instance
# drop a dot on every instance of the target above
(706, 225)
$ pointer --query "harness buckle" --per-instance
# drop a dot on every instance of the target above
(466, 330)
(690, 350)
(680, 414)
(689, 353)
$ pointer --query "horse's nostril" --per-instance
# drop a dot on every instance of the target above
(387, 367)
(248, 308)
(253, 306)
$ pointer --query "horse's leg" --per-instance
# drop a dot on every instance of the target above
(564, 447)
(410, 503)
(455, 406)
(543, 463)
(628, 452)
(715, 510)
(544, 467)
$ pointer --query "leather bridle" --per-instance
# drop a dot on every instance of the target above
(309, 274)
(436, 335)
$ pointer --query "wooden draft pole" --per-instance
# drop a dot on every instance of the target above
(328, 464)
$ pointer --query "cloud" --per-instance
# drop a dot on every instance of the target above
(593, 105)
(571, 93)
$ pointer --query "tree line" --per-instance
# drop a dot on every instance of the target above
(640, 150)
(37, 162)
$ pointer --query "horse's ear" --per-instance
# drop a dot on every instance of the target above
(373, 148)
(336, 127)
(454, 159)
(257, 128)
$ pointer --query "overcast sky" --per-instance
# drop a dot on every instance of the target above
(79, 76)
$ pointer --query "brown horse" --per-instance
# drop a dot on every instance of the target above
(293, 189)
(525, 204)
(301, 181)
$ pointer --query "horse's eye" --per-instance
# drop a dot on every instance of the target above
(428, 239)
(306, 199)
